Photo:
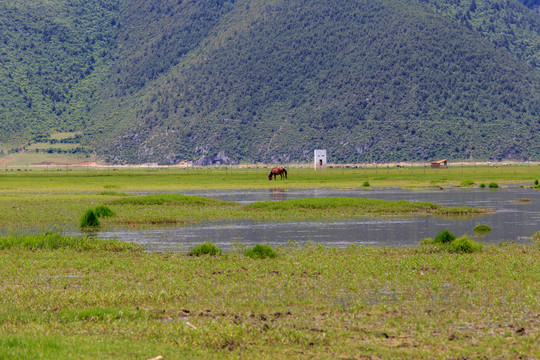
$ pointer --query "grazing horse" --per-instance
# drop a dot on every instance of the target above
(277, 171)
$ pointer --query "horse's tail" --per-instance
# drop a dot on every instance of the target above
(285, 172)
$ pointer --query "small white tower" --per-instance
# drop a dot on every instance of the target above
(320, 160)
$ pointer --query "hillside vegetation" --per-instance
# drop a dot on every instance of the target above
(270, 80)
(53, 56)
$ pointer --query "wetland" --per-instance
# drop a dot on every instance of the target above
(79, 297)
(510, 219)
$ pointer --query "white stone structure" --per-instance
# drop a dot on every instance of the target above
(320, 159)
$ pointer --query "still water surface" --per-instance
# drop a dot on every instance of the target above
(513, 220)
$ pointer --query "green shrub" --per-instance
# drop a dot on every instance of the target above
(536, 182)
(205, 249)
(482, 185)
(481, 228)
(260, 252)
(493, 185)
(89, 219)
(460, 245)
(366, 184)
(104, 211)
(444, 237)
(467, 183)
(465, 245)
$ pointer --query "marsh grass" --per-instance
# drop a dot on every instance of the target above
(360, 206)
(90, 219)
(166, 199)
(465, 245)
(482, 228)
(112, 193)
(260, 251)
(52, 240)
(447, 242)
(467, 183)
(104, 211)
(493, 185)
(205, 249)
(444, 237)
(309, 302)
(63, 211)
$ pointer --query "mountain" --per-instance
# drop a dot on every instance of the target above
(225, 81)
(53, 57)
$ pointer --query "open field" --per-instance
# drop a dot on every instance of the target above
(55, 200)
(86, 299)
(309, 302)
(76, 179)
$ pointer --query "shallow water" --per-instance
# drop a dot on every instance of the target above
(513, 220)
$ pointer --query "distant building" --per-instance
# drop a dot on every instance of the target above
(439, 164)
(320, 159)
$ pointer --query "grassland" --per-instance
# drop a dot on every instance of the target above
(79, 298)
(55, 199)
(85, 179)
(308, 302)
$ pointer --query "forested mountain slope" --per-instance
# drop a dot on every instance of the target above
(53, 57)
(270, 80)
(366, 80)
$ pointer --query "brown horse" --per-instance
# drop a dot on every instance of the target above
(277, 171)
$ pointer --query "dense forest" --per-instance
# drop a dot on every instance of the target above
(225, 81)
(54, 56)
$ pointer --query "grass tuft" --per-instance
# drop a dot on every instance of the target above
(464, 245)
(493, 185)
(104, 211)
(482, 185)
(444, 237)
(481, 228)
(205, 249)
(90, 219)
(447, 242)
(466, 183)
(366, 184)
(260, 252)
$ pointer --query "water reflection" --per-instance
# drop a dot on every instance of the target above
(514, 220)
(278, 194)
